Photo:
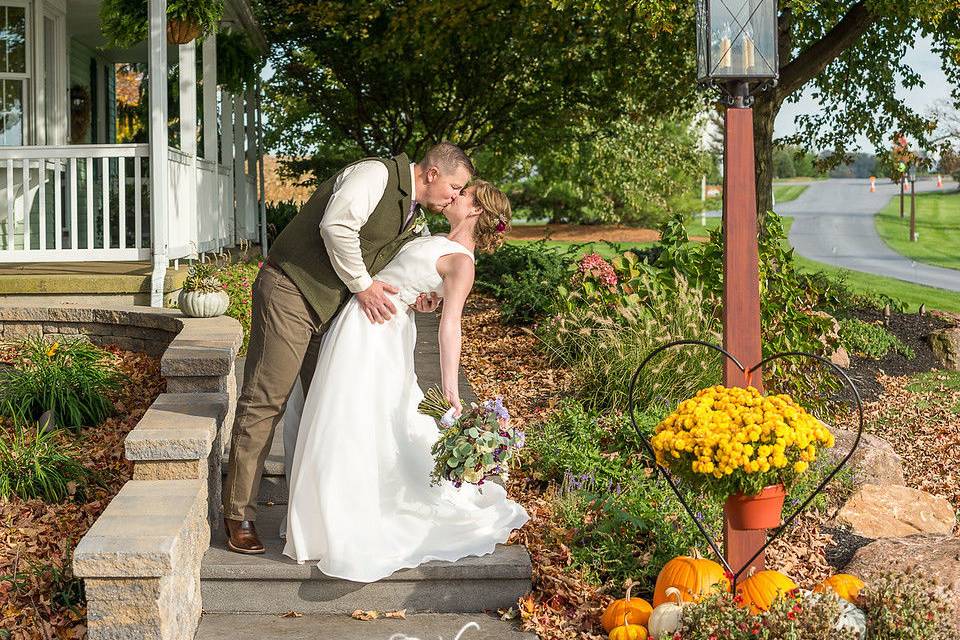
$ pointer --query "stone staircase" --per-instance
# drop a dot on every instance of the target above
(246, 596)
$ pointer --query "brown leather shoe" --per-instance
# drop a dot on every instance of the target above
(242, 537)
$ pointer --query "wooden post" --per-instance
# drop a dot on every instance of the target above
(901, 196)
(913, 211)
(741, 287)
(159, 181)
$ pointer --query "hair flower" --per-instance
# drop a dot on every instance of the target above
(501, 226)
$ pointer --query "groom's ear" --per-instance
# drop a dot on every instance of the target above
(432, 174)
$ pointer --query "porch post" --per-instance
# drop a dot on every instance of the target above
(239, 179)
(226, 159)
(251, 159)
(263, 193)
(159, 181)
(188, 134)
(210, 97)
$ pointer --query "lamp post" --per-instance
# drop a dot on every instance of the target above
(737, 55)
(913, 201)
(901, 167)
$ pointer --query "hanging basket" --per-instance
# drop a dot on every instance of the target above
(762, 511)
(182, 31)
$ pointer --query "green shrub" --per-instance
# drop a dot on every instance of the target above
(870, 340)
(279, 214)
(524, 278)
(237, 279)
(905, 607)
(72, 378)
(603, 353)
(35, 463)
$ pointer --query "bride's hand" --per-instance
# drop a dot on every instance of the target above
(454, 399)
(427, 303)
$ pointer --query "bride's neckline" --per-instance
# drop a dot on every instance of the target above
(447, 238)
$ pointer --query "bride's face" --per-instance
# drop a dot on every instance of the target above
(464, 206)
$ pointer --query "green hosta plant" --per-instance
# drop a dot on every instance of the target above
(870, 340)
(125, 23)
(71, 378)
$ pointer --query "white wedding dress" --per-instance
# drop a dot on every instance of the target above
(361, 503)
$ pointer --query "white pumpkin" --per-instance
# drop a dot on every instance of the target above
(198, 304)
(665, 619)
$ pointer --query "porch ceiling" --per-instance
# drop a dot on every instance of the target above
(83, 24)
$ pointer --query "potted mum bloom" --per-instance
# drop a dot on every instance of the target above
(743, 447)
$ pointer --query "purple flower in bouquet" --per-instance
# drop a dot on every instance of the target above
(496, 407)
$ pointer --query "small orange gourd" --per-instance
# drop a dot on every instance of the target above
(693, 577)
(762, 588)
(628, 631)
(637, 611)
(844, 585)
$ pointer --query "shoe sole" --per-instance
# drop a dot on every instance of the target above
(249, 552)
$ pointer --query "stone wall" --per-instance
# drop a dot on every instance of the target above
(141, 329)
(140, 560)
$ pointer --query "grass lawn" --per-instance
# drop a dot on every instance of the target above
(938, 229)
(606, 250)
(787, 192)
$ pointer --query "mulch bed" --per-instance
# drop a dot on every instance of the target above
(503, 360)
(37, 539)
(583, 233)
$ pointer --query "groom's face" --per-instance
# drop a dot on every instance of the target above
(443, 188)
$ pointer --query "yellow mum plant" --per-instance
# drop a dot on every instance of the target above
(733, 440)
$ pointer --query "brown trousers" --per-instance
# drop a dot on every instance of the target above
(284, 340)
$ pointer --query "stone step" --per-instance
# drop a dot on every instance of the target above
(225, 626)
(273, 583)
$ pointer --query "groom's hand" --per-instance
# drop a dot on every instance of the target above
(373, 300)
(427, 303)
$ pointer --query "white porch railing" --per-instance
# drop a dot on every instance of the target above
(73, 203)
(92, 202)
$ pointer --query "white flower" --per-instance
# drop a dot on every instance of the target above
(420, 224)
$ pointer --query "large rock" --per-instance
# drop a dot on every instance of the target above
(933, 556)
(874, 461)
(890, 511)
(946, 347)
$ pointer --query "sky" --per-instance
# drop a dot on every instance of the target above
(920, 57)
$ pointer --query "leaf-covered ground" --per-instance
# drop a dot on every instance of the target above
(919, 415)
(39, 598)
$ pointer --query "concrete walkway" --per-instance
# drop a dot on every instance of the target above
(833, 224)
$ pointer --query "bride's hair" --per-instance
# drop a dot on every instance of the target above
(494, 221)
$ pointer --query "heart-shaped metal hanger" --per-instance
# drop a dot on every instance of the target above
(747, 371)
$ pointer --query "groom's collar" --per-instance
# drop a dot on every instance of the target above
(404, 177)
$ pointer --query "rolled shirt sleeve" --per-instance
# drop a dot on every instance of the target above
(356, 194)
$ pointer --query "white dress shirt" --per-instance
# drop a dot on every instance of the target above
(356, 194)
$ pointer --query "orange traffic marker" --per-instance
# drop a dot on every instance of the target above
(939, 181)
(873, 183)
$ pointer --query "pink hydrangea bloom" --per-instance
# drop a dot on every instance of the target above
(599, 268)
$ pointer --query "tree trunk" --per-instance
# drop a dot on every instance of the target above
(765, 110)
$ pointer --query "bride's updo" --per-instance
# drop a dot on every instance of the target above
(494, 221)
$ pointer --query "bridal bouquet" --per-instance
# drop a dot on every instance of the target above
(480, 444)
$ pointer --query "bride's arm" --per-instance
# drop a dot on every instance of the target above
(457, 271)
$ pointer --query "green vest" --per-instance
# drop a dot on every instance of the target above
(299, 249)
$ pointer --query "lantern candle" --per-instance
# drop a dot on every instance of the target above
(726, 60)
(749, 49)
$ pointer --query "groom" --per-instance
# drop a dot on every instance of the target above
(352, 226)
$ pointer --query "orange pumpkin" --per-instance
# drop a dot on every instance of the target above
(762, 588)
(636, 610)
(693, 577)
(843, 584)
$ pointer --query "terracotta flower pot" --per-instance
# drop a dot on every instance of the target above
(762, 511)
(182, 31)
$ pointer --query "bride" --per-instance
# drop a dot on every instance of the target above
(361, 503)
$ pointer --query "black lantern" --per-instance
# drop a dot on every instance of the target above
(736, 42)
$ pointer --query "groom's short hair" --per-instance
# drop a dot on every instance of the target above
(447, 157)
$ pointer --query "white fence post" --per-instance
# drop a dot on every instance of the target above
(263, 192)
(190, 213)
(159, 183)
(226, 155)
(239, 177)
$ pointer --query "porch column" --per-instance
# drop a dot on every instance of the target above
(159, 181)
(210, 97)
(251, 164)
(263, 192)
(188, 138)
(239, 179)
(226, 159)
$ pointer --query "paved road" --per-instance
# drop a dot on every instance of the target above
(833, 223)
